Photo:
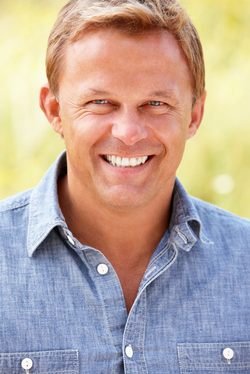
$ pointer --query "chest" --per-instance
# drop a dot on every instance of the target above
(60, 307)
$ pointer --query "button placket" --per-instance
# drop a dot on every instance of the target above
(134, 336)
(109, 288)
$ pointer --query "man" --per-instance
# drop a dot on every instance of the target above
(108, 266)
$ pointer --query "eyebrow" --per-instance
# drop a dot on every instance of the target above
(98, 92)
(166, 94)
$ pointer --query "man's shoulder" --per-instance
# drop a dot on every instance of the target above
(214, 215)
(15, 202)
(14, 222)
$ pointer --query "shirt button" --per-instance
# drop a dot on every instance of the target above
(129, 351)
(102, 269)
(27, 364)
(228, 353)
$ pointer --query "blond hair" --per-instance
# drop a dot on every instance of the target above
(130, 17)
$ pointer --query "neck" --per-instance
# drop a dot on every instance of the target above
(114, 230)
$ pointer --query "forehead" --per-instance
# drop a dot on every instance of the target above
(109, 54)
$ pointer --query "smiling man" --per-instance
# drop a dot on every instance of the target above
(108, 266)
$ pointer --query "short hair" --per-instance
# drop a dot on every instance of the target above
(130, 17)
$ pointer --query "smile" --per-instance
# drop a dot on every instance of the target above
(124, 161)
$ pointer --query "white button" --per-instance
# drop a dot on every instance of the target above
(102, 269)
(228, 353)
(129, 351)
(70, 240)
(27, 364)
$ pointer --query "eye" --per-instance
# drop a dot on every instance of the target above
(100, 101)
(156, 103)
(155, 107)
(99, 106)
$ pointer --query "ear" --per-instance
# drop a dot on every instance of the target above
(51, 108)
(196, 116)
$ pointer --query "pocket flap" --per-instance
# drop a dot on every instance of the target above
(214, 357)
(42, 362)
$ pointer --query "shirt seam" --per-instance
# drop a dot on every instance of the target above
(16, 207)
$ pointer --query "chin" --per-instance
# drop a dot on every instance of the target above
(124, 199)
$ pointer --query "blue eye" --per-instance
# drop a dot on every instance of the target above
(156, 103)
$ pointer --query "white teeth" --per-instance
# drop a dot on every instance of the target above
(133, 162)
(125, 162)
(118, 161)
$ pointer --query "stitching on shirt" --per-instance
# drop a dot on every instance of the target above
(182, 206)
(37, 354)
(22, 204)
(217, 365)
(163, 251)
(215, 345)
(150, 271)
(55, 372)
(143, 329)
(77, 362)
(179, 348)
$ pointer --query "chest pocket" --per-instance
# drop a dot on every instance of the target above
(212, 358)
(44, 362)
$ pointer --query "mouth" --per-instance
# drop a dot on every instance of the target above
(124, 162)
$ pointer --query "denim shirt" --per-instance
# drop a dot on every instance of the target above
(62, 309)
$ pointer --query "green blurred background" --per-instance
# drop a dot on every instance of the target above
(216, 165)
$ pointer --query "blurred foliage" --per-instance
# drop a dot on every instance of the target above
(221, 146)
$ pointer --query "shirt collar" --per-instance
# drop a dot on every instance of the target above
(185, 224)
(45, 213)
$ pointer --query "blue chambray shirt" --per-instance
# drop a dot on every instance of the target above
(65, 314)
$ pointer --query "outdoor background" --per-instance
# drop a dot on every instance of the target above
(216, 166)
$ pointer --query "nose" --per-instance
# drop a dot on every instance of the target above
(129, 127)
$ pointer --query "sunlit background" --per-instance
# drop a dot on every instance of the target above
(216, 165)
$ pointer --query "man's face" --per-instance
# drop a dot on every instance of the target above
(125, 114)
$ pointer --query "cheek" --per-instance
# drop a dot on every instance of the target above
(82, 130)
(82, 137)
(173, 134)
